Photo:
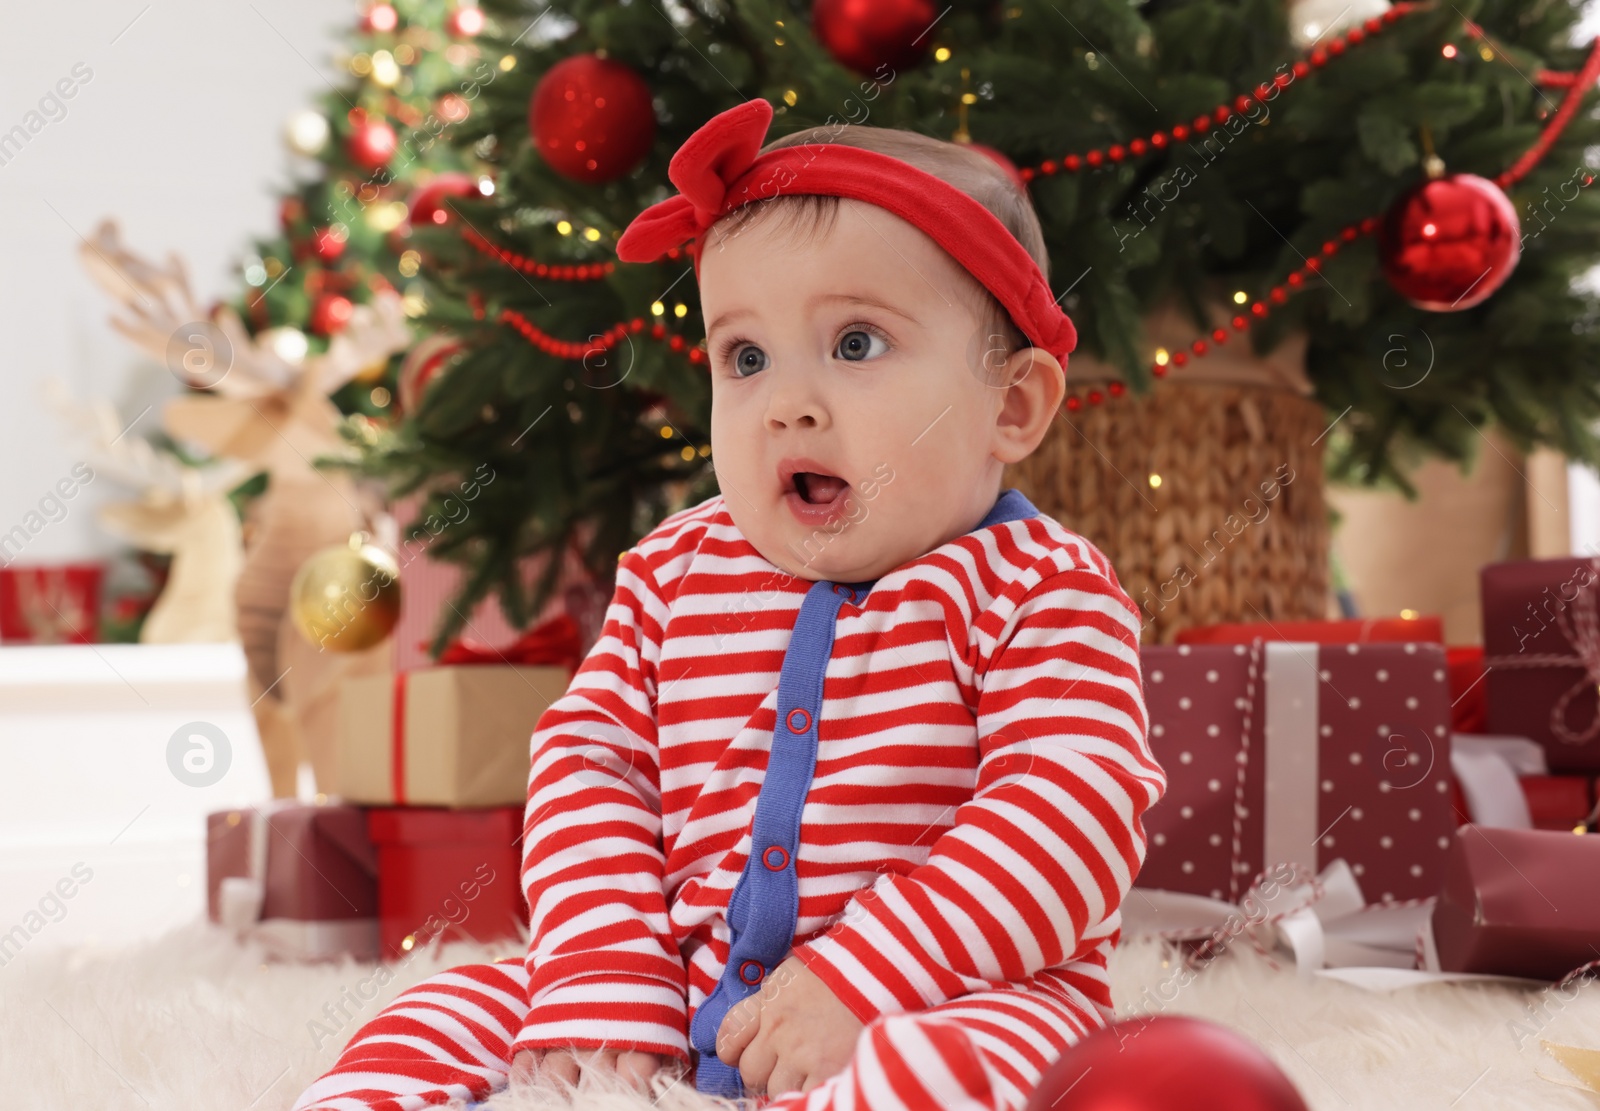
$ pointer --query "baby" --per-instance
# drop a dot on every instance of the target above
(843, 804)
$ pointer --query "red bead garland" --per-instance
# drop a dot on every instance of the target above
(1258, 310)
(580, 272)
(566, 349)
(1178, 133)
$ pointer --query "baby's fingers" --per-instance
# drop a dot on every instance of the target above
(558, 1064)
(636, 1067)
(523, 1067)
(739, 1027)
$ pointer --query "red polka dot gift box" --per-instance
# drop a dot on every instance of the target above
(1287, 752)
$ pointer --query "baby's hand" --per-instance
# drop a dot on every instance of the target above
(790, 1036)
(544, 1066)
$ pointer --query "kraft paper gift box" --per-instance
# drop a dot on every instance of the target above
(1518, 902)
(1294, 753)
(449, 874)
(1541, 650)
(443, 736)
(300, 879)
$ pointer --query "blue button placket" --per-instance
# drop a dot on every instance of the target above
(765, 904)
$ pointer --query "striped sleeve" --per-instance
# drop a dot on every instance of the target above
(1034, 870)
(603, 966)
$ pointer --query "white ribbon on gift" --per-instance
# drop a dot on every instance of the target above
(1328, 923)
(1488, 768)
(1289, 752)
(240, 900)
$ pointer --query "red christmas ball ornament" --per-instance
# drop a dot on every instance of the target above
(371, 144)
(878, 38)
(1450, 242)
(1003, 162)
(329, 242)
(1162, 1063)
(592, 119)
(421, 364)
(464, 23)
(428, 204)
(330, 313)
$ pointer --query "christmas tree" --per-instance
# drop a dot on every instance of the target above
(382, 159)
(1361, 182)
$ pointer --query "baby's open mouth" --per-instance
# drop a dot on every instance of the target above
(818, 489)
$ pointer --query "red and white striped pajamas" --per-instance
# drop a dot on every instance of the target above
(964, 841)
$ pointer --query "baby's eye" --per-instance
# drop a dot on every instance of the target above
(857, 345)
(749, 359)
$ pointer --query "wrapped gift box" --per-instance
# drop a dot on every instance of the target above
(300, 879)
(1541, 657)
(51, 605)
(1488, 778)
(449, 874)
(443, 736)
(1355, 630)
(1518, 902)
(1296, 753)
(1557, 802)
(1464, 663)
(429, 586)
(1469, 708)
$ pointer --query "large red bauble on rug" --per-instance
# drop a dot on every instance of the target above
(591, 118)
(1450, 242)
(1165, 1063)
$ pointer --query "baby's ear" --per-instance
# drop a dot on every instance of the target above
(1035, 385)
(1026, 362)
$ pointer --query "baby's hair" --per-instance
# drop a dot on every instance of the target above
(969, 170)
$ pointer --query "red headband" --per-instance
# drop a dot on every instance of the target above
(717, 170)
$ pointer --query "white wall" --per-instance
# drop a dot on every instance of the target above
(176, 134)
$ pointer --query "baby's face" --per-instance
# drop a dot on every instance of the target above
(856, 359)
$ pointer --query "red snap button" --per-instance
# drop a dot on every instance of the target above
(798, 720)
(751, 972)
(775, 858)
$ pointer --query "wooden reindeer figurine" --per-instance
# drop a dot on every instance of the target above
(182, 510)
(251, 404)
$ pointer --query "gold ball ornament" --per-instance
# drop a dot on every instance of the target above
(346, 598)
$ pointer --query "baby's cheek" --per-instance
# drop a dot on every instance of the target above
(856, 508)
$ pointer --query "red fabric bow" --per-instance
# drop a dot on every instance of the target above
(720, 167)
(552, 643)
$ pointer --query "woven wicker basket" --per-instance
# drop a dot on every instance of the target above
(1206, 493)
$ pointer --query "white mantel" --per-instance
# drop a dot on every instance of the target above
(85, 779)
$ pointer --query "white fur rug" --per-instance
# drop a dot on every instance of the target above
(195, 1022)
